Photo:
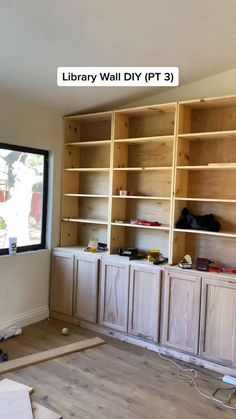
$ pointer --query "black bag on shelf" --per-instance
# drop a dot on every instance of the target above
(189, 221)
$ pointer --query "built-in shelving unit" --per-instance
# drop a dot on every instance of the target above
(149, 163)
(86, 178)
(205, 177)
(144, 144)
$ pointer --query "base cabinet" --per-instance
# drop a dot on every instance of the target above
(192, 313)
(218, 322)
(181, 311)
(144, 302)
(62, 283)
(86, 288)
(114, 294)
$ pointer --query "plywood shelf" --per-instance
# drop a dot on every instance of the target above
(162, 227)
(87, 169)
(206, 200)
(81, 195)
(155, 198)
(84, 220)
(88, 143)
(209, 167)
(148, 110)
(140, 140)
(220, 135)
(209, 233)
(137, 169)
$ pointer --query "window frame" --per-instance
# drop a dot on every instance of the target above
(45, 154)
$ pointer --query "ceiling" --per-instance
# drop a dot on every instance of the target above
(36, 37)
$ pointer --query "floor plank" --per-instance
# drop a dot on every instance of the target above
(115, 381)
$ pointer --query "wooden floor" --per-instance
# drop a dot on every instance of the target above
(115, 381)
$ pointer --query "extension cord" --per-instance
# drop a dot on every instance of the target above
(229, 379)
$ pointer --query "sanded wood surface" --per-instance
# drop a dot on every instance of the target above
(8, 385)
(44, 356)
(15, 404)
(181, 311)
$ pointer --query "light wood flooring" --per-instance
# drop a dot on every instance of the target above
(114, 381)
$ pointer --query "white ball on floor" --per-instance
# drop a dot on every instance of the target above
(65, 331)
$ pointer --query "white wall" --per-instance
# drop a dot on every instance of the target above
(218, 85)
(24, 278)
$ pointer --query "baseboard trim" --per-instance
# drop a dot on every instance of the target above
(26, 318)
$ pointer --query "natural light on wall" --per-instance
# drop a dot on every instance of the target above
(22, 197)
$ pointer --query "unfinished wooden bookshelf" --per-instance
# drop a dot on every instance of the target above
(206, 177)
(86, 178)
(134, 150)
(167, 157)
(144, 151)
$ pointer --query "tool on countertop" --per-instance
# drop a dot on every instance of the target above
(186, 262)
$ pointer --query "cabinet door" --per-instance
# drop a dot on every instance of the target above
(61, 298)
(218, 321)
(86, 287)
(114, 294)
(144, 302)
(181, 311)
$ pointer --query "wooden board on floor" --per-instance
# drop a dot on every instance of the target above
(15, 404)
(7, 385)
(44, 356)
(41, 412)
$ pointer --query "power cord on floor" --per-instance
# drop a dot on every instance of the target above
(194, 378)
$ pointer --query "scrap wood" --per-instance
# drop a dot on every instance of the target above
(7, 385)
(15, 404)
(39, 411)
(44, 356)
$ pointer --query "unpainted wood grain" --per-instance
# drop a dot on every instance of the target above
(144, 307)
(218, 322)
(45, 356)
(181, 311)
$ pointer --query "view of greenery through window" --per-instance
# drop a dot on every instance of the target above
(21, 197)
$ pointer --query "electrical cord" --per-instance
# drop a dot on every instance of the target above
(194, 378)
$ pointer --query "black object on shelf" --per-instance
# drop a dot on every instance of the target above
(128, 251)
(203, 264)
(188, 221)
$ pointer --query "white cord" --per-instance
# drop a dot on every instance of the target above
(193, 379)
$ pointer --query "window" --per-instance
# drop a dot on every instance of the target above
(23, 197)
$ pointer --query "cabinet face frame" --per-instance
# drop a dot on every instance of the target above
(196, 281)
(91, 315)
(203, 353)
(68, 309)
(103, 297)
(154, 309)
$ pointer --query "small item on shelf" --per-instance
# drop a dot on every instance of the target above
(215, 269)
(161, 259)
(186, 262)
(188, 221)
(228, 270)
(203, 264)
(94, 245)
(133, 221)
(148, 223)
(128, 251)
(125, 193)
(153, 254)
(102, 246)
(120, 221)
(138, 256)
